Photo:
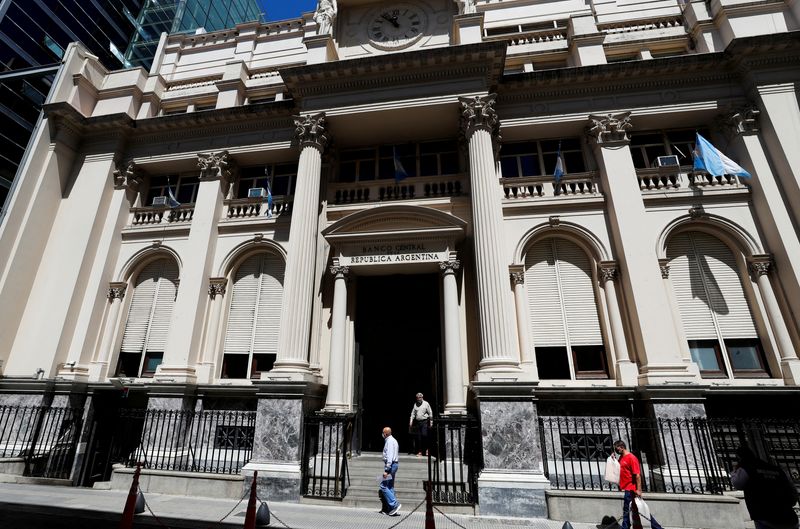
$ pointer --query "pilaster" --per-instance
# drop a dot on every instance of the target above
(337, 366)
(455, 398)
(516, 274)
(100, 368)
(625, 370)
(657, 346)
(217, 288)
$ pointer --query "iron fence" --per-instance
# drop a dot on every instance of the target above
(677, 455)
(455, 460)
(208, 441)
(44, 437)
(326, 446)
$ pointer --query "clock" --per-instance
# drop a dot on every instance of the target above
(396, 26)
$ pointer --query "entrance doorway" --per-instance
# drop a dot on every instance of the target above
(398, 337)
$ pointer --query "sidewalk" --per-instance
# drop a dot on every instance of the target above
(102, 508)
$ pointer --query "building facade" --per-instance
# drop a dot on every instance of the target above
(336, 212)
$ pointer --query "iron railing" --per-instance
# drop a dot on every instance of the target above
(325, 451)
(687, 455)
(44, 437)
(209, 441)
(455, 460)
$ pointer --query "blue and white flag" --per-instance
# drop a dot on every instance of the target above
(269, 193)
(709, 159)
(558, 172)
(171, 200)
(399, 171)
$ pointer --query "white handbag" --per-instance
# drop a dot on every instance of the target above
(612, 470)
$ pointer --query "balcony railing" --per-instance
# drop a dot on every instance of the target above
(683, 177)
(573, 185)
(389, 190)
(161, 215)
(254, 208)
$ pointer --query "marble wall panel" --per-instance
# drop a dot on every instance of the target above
(278, 426)
(510, 433)
(516, 502)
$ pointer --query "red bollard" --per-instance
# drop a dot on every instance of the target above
(250, 517)
(130, 503)
(430, 523)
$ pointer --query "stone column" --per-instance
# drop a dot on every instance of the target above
(761, 266)
(216, 293)
(455, 401)
(526, 348)
(657, 346)
(336, 366)
(183, 343)
(774, 218)
(480, 126)
(99, 368)
(675, 309)
(626, 371)
(298, 284)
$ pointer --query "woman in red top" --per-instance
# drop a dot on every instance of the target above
(630, 482)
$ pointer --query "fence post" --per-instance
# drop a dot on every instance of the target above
(250, 517)
(131, 503)
(430, 523)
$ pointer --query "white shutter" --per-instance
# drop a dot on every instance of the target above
(544, 298)
(690, 291)
(723, 287)
(241, 315)
(144, 291)
(166, 290)
(270, 296)
(577, 292)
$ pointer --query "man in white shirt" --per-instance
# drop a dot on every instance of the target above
(391, 452)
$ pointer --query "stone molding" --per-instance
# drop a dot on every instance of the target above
(761, 265)
(607, 271)
(215, 166)
(478, 113)
(449, 266)
(517, 277)
(127, 175)
(610, 129)
(663, 264)
(697, 212)
(310, 131)
(116, 290)
(217, 286)
(743, 120)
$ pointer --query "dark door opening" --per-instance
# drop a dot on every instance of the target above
(398, 336)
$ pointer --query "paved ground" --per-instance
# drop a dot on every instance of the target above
(25, 506)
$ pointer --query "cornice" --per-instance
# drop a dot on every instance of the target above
(483, 60)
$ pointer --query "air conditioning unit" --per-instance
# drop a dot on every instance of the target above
(159, 201)
(668, 161)
(256, 192)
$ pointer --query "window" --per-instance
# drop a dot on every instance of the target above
(251, 338)
(535, 158)
(184, 187)
(435, 158)
(647, 146)
(281, 178)
(714, 310)
(148, 321)
(563, 309)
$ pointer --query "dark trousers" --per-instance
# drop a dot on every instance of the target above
(629, 511)
(421, 436)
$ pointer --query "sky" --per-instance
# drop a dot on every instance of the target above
(283, 9)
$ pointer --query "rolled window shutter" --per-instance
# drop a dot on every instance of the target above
(270, 297)
(544, 298)
(141, 308)
(578, 295)
(690, 291)
(166, 290)
(724, 287)
(241, 315)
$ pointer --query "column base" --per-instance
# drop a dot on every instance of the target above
(499, 370)
(668, 374)
(627, 373)
(458, 408)
(518, 494)
(205, 372)
(275, 482)
(98, 371)
(76, 373)
(291, 373)
(176, 374)
(336, 408)
(791, 371)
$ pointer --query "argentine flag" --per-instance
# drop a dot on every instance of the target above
(709, 159)
(558, 172)
(269, 193)
(399, 171)
(171, 200)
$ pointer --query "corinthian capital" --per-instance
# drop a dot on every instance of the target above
(311, 132)
(743, 120)
(116, 291)
(610, 128)
(127, 176)
(215, 165)
(761, 265)
(479, 113)
(216, 286)
(337, 270)
(608, 271)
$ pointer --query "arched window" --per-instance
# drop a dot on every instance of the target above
(714, 310)
(563, 310)
(251, 338)
(147, 325)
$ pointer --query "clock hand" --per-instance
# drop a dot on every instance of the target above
(393, 19)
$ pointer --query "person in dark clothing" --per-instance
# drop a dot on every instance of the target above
(768, 492)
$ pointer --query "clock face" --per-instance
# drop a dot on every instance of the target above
(396, 26)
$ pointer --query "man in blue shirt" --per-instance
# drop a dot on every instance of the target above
(391, 452)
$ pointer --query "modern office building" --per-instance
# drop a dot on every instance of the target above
(261, 249)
